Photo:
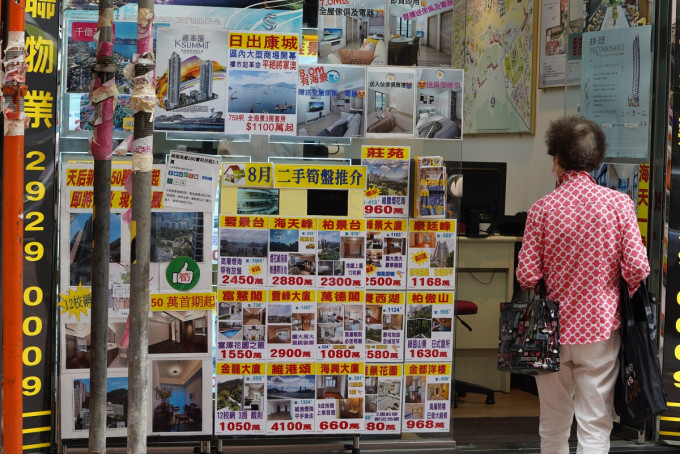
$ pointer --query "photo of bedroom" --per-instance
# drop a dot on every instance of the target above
(439, 104)
(354, 40)
(389, 103)
(178, 332)
(331, 101)
(177, 396)
(77, 345)
(420, 35)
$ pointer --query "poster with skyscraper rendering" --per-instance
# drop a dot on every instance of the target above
(191, 87)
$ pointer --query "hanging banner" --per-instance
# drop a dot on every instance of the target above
(431, 249)
(191, 86)
(341, 254)
(243, 251)
(241, 317)
(339, 398)
(42, 45)
(385, 326)
(292, 253)
(427, 397)
(387, 168)
(290, 398)
(383, 388)
(291, 325)
(386, 254)
(240, 399)
(340, 324)
(262, 82)
(429, 326)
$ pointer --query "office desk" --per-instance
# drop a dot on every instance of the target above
(484, 275)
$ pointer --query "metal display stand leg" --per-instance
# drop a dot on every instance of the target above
(355, 445)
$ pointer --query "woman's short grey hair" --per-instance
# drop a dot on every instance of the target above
(578, 143)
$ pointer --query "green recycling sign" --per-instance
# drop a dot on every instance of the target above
(183, 273)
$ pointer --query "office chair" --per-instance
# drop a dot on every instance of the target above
(461, 388)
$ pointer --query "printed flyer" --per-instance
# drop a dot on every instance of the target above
(292, 253)
(386, 254)
(385, 326)
(243, 252)
(383, 388)
(391, 98)
(262, 83)
(341, 254)
(291, 325)
(339, 397)
(191, 87)
(439, 104)
(330, 101)
(290, 398)
(431, 249)
(241, 319)
(429, 326)
(427, 397)
(191, 181)
(387, 168)
(341, 322)
(560, 23)
(240, 399)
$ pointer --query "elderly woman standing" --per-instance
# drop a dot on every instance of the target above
(581, 238)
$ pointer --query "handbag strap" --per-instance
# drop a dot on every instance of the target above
(539, 291)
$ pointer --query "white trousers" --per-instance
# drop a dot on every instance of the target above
(584, 386)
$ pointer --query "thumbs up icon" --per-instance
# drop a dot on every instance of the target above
(184, 276)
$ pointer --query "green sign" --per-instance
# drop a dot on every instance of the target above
(183, 274)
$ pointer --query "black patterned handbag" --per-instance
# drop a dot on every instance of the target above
(529, 335)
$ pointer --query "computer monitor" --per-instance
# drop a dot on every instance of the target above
(483, 191)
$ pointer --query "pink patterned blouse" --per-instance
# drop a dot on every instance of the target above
(582, 238)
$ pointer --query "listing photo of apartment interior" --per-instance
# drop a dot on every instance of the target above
(279, 410)
(353, 317)
(389, 395)
(425, 40)
(354, 40)
(177, 395)
(78, 338)
(330, 328)
(334, 108)
(439, 111)
(414, 397)
(438, 391)
(301, 264)
(279, 318)
(331, 386)
(352, 247)
(178, 332)
(390, 109)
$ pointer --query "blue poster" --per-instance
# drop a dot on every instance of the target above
(616, 88)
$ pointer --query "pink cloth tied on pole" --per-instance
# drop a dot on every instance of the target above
(127, 216)
(125, 340)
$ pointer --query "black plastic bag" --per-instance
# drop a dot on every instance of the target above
(639, 393)
(529, 335)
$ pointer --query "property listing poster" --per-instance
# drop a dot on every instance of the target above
(341, 253)
(341, 324)
(561, 21)
(191, 86)
(620, 107)
(291, 325)
(243, 252)
(383, 388)
(387, 168)
(291, 398)
(390, 105)
(352, 32)
(439, 103)
(331, 101)
(429, 326)
(386, 254)
(191, 181)
(339, 397)
(240, 399)
(385, 326)
(431, 249)
(262, 83)
(427, 397)
(241, 324)
(292, 253)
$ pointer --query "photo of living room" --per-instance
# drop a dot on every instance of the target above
(178, 332)
(439, 104)
(279, 320)
(353, 317)
(279, 410)
(303, 321)
(330, 328)
(177, 395)
(393, 322)
(254, 317)
(354, 40)
(331, 386)
(352, 247)
(390, 102)
(301, 264)
(331, 105)
(424, 40)
(77, 345)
